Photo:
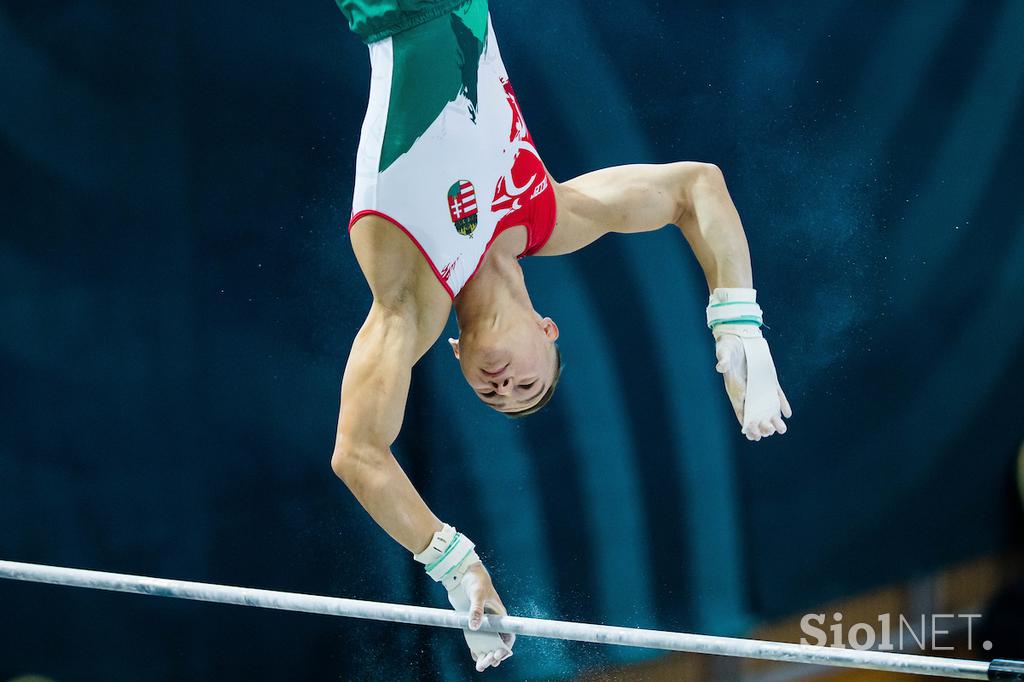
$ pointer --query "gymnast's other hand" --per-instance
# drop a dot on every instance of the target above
(475, 593)
(759, 415)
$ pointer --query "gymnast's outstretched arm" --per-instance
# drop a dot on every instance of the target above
(645, 197)
(408, 313)
(373, 397)
(694, 197)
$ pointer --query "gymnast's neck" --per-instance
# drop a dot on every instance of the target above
(498, 287)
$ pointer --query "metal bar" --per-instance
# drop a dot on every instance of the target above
(531, 627)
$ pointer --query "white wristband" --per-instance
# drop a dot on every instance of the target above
(734, 307)
(448, 556)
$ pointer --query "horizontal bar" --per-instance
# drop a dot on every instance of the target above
(531, 627)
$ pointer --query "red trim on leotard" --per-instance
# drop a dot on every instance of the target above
(538, 217)
(545, 214)
(408, 234)
(537, 213)
(539, 221)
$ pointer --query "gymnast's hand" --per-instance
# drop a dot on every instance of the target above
(475, 593)
(760, 413)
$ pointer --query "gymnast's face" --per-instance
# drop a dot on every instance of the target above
(510, 369)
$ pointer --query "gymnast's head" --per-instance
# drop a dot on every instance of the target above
(511, 361)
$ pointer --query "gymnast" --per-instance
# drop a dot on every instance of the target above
(449, 194)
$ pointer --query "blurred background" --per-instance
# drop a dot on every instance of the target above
(178, 296)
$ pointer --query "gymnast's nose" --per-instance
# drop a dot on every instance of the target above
(504, 385)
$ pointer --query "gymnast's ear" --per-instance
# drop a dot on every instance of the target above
(550, 329)
(454, 343)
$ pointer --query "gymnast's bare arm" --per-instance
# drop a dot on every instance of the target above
(645, 197)
(408, 313)
(691, 195)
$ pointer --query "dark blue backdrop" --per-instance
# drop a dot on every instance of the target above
(178, 296)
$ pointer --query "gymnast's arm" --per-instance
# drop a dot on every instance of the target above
(694, 197)
(408, 313)
(373, 397)
(646, 197)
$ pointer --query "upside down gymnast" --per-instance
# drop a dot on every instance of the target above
(450, 192)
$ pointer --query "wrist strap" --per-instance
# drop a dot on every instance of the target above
(448, 556)
(737, 307)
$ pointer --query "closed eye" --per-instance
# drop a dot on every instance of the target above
(529, 385)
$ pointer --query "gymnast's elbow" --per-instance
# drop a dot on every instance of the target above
(710, 172)
(694, 183)
(704, 176)
(359, 463)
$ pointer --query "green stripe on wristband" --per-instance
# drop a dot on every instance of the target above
(725, 303)
(449, 571)
(738, 320)
(430, 567)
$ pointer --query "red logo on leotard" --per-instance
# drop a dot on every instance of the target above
(526, 172)
(446, 271)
